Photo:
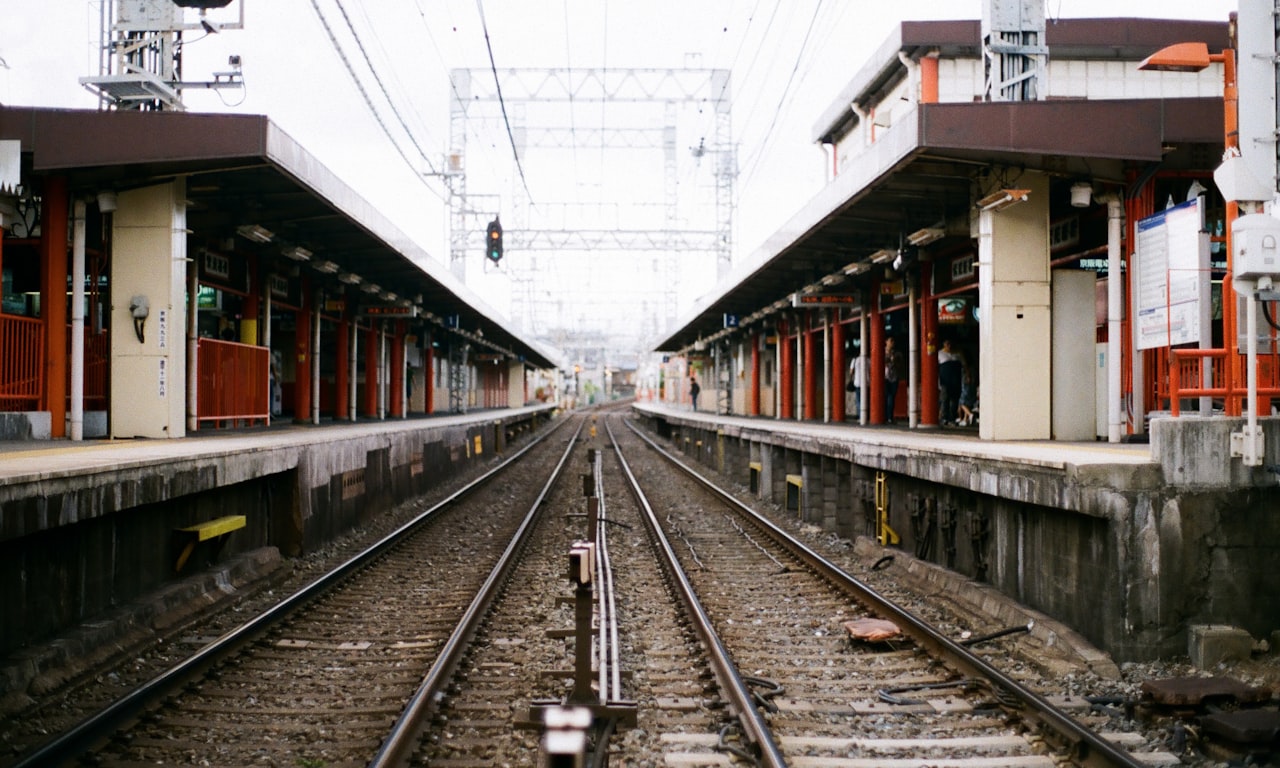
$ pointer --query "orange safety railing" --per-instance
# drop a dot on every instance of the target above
(21, 363)
(232, 383)
(1187, 376)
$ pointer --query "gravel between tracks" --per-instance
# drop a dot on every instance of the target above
(1018, 656)
(56, 709)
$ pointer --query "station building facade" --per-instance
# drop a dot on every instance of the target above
(165, 273)
(1007, 229)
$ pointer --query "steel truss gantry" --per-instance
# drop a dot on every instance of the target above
(475, 91)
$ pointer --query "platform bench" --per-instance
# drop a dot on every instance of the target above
(192, 535)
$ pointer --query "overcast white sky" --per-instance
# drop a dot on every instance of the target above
(789, 59)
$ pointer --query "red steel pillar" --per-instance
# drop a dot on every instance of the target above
(397, 370)
(754, 408)
(929, 343)
(786, 374)
(428, 375)
(929, 79)
(371, 352)
(1232, 404)
(838, 369)
(342, 368)
(812, 366)
(53, 300)
(875, 365)
(249, 333)
(302, 355)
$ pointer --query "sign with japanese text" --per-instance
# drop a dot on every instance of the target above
(1172, 276)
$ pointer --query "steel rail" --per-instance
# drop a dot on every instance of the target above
(607, 647)
(405, 734)
(732, 686)
(1087, 748)
(82, 737)
(608, 666)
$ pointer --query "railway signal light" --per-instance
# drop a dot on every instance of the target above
(493, 241)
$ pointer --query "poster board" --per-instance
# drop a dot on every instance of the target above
(1172, 272)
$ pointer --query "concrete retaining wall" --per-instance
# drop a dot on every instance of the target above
(76, 545)
(1122, 554)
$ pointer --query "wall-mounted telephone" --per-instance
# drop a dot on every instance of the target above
(139, 308)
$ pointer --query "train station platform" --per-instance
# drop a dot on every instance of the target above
(88, 526)
(1129, 544)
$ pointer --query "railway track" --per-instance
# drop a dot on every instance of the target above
(732, 651)
(320, 678)
(811, 695)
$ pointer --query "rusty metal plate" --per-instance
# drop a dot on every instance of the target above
(872, 630)
(1193, 691)
(1248, 726)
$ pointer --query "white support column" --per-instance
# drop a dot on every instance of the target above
(1115, 218)
(352, 371)
(515, 383)
(404, 377)
(798, 370)
(149, 359)
(778, 341)
(1014, 333)
(864, 387)
(382, 369)
(913, 354)
(193, 349)
(77, 322)
(826, 367)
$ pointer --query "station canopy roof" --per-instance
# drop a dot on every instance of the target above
(926, 169)
(244, 171)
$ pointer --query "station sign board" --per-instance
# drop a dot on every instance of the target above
(825, 299)
(388, 310)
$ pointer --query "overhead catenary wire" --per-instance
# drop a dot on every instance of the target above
(382, 86)
(759, 152)
(756, 59)
(568, 62)
(710, 116)
(400, 88)
(497, 84)
(453, 86)
(604, 72)
(346, 62)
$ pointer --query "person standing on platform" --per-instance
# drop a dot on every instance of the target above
(968, 412)
(857, 380)
(892, 375)
(950, 372)
(694, 389)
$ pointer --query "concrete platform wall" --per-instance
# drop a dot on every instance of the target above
(74, 547)
(1124, 557)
